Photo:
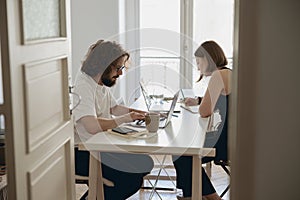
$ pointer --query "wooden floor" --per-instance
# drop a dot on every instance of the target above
(219, 179)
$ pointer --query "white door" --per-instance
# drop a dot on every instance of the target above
(35, 56)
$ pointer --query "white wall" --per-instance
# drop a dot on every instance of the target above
(266, 160)
(91, 20)
(106, 19)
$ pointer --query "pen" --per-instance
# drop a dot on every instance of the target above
(175, 115)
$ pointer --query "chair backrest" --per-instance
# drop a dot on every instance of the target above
(85, 180)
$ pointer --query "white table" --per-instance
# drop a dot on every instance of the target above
(183, 136)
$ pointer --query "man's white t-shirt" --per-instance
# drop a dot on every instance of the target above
(96, 100)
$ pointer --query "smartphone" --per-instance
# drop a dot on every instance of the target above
(123, 130)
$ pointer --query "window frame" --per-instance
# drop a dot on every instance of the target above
(131, 40)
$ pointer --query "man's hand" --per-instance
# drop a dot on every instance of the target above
(130, 117)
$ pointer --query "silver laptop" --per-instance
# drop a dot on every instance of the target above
(164, 121)
(150, 102)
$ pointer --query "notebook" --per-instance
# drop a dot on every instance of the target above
(149, 101)
(164, 121)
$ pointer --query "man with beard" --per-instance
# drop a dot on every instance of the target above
(101, 68)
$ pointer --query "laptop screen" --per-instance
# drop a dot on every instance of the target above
(172, 107)
(146, 95)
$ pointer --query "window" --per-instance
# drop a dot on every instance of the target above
(213, 20)
(160, 44)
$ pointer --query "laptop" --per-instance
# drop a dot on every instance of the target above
(149, 101)
(164, 121)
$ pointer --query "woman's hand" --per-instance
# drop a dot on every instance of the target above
(191, 101)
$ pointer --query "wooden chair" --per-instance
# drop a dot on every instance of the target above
(85, 180)
(82, 180)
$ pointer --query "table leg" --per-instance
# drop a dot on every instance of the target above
(95, 177)
(197, 179)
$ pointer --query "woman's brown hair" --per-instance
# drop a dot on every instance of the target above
(214, 55)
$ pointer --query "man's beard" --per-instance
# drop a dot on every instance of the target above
(109, 82)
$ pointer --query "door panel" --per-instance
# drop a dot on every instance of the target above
(39, 129)
(44, 96)
(43, 174)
